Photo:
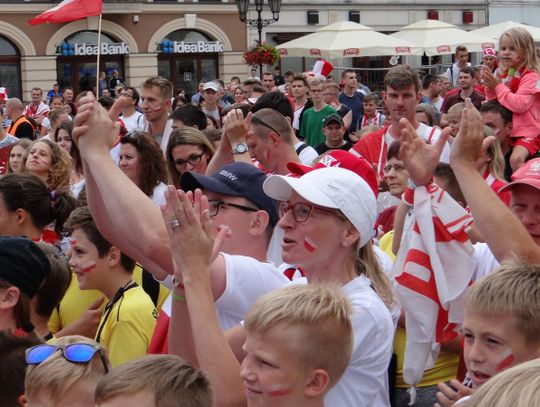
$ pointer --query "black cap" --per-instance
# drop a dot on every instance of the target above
(23, 264)
(332, 118)
(235, 179)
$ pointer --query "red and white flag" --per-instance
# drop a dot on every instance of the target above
(435, 265)
(69, 10)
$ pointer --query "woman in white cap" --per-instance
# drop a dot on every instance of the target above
(328, 216)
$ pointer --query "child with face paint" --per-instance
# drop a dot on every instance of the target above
(129, 318)
(501, 327)
(298, 344)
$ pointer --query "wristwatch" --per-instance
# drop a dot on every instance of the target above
(240, 148)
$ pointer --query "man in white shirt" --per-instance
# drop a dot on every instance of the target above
(461, 58)
(36, 110)
(156, 94)
(133, 119)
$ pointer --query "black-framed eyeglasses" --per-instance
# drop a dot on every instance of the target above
(262, 122)
(397, 167)
(75, 353)
(126, 94)
(214, 206)
(193, 159)
(302, 211)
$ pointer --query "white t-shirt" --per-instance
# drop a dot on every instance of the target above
(365, 382)
(307, 155)
(158, 194)
(134, 122)
(247, 280)
(485, 261)
(429, 135)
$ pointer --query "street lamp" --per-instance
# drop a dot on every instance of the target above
(260, 23)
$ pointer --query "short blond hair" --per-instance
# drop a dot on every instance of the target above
(513, 289)
(321, 316)
(518, 386)
(173, 382)
(58, 375)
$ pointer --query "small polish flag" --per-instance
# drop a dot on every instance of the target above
(505, 360)
(69, 10)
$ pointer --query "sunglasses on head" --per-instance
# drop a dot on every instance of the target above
(75, 353)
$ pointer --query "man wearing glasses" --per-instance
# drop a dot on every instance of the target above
(132, 118)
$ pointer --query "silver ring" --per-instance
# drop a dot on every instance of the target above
(175, 223)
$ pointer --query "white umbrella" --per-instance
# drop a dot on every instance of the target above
(496, 30)
(347, 39)
(438, 38)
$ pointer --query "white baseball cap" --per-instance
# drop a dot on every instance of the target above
(331, 187)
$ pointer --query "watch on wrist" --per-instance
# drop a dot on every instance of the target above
(240, 148)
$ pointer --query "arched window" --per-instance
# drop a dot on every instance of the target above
(193, 59)
(10, 68)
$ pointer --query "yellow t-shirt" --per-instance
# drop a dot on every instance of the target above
(76, 301)
(385, 243)
(127, 329)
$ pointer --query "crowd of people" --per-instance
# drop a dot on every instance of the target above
(283, 241)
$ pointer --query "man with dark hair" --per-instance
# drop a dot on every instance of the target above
(461, 58)
(466, 90)
(299, 91)
(268, 81)
(190, 116)
(352, 97)
(499, 119)
(402, 92)
(132, 118)
(431, 90)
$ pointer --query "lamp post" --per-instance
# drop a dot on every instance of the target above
(259, 22)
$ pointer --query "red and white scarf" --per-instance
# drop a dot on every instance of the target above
(434, 266)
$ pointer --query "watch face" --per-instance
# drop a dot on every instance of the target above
(240, 148)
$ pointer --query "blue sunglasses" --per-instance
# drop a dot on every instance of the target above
(75, 353)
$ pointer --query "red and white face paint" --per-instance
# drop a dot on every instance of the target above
(506, 360)
(309, 245)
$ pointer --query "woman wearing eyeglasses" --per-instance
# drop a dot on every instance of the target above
(141, 159)
(66, 373)
(188, 150)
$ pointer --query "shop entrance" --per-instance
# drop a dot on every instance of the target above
(185, 68)
(10, 68)
(78, 70)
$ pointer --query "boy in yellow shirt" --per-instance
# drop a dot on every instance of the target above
(129, 318)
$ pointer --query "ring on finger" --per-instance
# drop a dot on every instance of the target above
(174, 223)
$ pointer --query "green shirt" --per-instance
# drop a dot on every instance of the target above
(312, 125)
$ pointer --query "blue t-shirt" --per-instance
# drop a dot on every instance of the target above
(355, 103)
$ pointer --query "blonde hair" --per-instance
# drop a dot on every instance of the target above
(173, 382)
(513, 289)
(319, 314)
(58, 375)
(25, 144)
(496, 165)
(457, 109)
(524, 43)
(518, 386)
(367, 264)
(60, 168)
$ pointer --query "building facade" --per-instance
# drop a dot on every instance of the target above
(184, 41)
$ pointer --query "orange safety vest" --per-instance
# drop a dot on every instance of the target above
(12, 129)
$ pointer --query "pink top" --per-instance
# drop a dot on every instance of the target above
(525, 104)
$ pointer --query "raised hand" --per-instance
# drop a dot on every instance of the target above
(94, 129)
(236, 127)
(191, 232)
(469, 144)
(420, 158)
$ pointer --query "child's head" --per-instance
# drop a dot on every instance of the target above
(13, 366)
(57, 381)
(159, 380)
(91, 254)
(502, 320)
(454, 117)
(370, 104)
(298, 344)
(23, 266)
(516, 387)
(518, 41)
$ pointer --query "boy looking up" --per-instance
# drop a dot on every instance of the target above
(501, 327)
(129, 318)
